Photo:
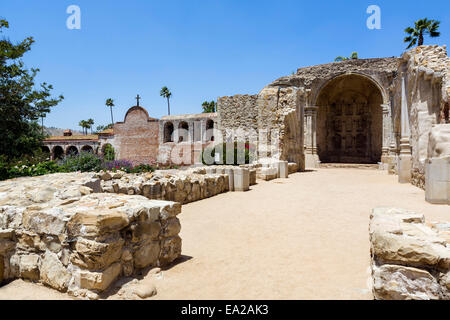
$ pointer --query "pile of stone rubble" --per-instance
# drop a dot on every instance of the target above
(410, 259)
(55, 230)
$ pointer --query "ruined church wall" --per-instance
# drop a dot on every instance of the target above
(269, 120)
(426, 71)
(137, 138)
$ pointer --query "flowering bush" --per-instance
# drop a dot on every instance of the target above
(124, 165)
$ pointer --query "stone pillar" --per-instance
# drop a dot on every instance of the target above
(241, 179)
(283, 169)
(311, 157)
(404, 159)
(437, 180)
(230, 173)
(386, 131)
(191, 131)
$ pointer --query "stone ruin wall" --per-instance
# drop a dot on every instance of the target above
(311, 81)
(410, 259)
(426, 70)
(190, 149)
(273, 110)
(59, 230)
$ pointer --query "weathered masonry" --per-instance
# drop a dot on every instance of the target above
(391, 111)
(388, 111)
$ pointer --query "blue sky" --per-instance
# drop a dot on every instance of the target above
(199, 49)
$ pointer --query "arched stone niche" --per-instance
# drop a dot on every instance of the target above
(350, 120)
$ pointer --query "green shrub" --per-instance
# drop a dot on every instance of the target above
(4, 167)
(84, 162)
(109, 153)
(222, 150)
(142, 168)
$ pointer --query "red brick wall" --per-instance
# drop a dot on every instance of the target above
(137, 137)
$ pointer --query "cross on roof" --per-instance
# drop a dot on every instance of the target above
(138, 98)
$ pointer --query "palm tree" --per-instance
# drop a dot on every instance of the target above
(421, 28)
(90, 123)
(341, 58)
(83, 124)
(110, 103)
(165, 93)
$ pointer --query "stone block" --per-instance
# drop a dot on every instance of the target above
(395, 282)
(439, 141)
(96, 222)
(29, 266)
(49, 221)
(241, 179)
(170, 250)
(404, 168)
(267, 174)
(283, 169)
(2, 268)
(230, 173)
(220, 170)
(53, 273)
(147, 254)
(99, 281)
(292, 167)
(437, 180)
(93, 255)
(95, 185)
(409, 259)
(252, 173)
(210, 170)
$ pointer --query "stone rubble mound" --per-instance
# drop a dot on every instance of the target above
(410, 259)
(55, 230)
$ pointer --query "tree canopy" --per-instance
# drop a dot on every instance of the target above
(353, 56)
(165, 93)
(421, 28)
(22, 102)
(209, 106)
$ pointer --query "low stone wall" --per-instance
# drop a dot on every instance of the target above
(410, 259)
(179, 186)
(55, 230)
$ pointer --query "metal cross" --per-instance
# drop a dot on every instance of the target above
(137, 98)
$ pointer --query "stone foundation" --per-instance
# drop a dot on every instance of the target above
(179, 186)
(410, 259)
(54, 230)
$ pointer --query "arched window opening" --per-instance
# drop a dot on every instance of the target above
(168, 132)
(209, 130)
(72, 150)
(183, 131)
(57, 153)
(87, 149)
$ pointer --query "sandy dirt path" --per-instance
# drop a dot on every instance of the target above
(305, 237)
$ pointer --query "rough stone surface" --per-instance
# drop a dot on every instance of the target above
(179, 186)
(410, 260)
(55, 230)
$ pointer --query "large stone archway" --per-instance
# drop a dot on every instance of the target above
(349, 125)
